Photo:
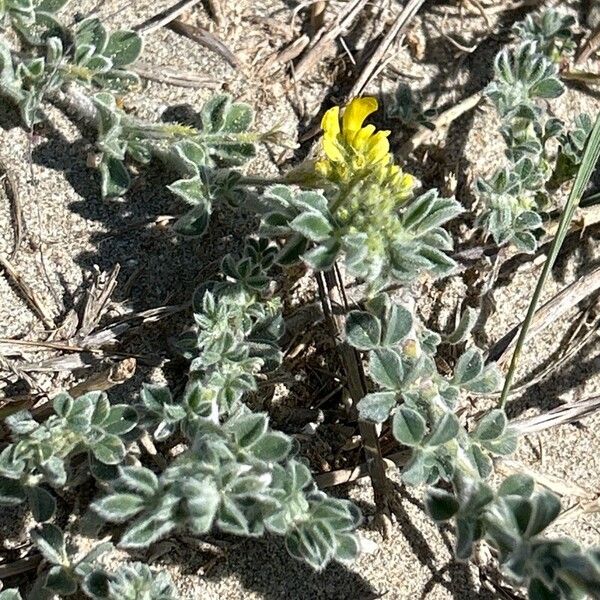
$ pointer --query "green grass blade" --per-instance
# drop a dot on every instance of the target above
(588, 164)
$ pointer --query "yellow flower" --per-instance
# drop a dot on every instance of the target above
(354, 151)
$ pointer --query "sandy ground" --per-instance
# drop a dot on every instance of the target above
(71, 233)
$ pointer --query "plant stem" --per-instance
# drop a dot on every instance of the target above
(588, 164)
(331, 291)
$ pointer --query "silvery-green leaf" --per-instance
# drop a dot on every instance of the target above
(140, 480)
(363, 330)
(109, 449)
(323, 256)
(42, 503)
(291, 251)
(231, 519)
(194, 222)
(50, 541)
(123, 47)
(118, 508)
(414, 472)
(546, 508)
(91, 32)
(61, 582)
(469, 366)
(465, 537)
(385, 367)
(377, 406)
(444, 430)
(121, 419)
(21, 422)
(492, 425)
(313, 226)
(249, 429)
(441, 505)
(504, 445)
(273, 446)
(238, 118)
(193, 191)
(482, 461)
(518, 484)
(115, 177)
(10, 594)
(347, 548)
(397, 325)
(408, 426)
(144, 532)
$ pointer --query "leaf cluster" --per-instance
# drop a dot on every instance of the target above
(379, 243)
(525, 78)
(421, 404)
(42, 454)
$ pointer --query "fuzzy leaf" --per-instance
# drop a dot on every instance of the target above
(363, 330)
(441, 505)
(123, 48)
(444, 430)
(273, 446)
(408, 426)
(313, 226)
(144, 532)
(518, 484)
(109, 449)
(492, 425)
(60, 581)
(376, 407)
(385, 367)
(50, 541)
(42, 503)
(118, 508)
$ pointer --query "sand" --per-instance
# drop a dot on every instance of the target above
(71, 233)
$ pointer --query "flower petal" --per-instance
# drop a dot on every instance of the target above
(361, 138)
(355, 114)
(331, 121)
(379, 147)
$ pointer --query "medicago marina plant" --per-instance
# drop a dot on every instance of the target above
(350, 214)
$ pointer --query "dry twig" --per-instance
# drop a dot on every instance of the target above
(166, 16)
(322, 41)
(205, 38)
(402, 20)
(31, 298)
(12, 193)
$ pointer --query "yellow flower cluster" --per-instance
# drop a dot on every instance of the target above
(354, 152)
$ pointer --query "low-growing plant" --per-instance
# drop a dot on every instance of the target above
(541, 153)
(353, 210)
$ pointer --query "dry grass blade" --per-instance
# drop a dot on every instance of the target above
(546, 315)
(12, 193)
(97, 300)
(591, 45)
(567, 413)
(584, 174)
(31, 298)
(174, 77)
(166, 16)
(205, 38)
(316, 51)
(401, 21)
(98, 382)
